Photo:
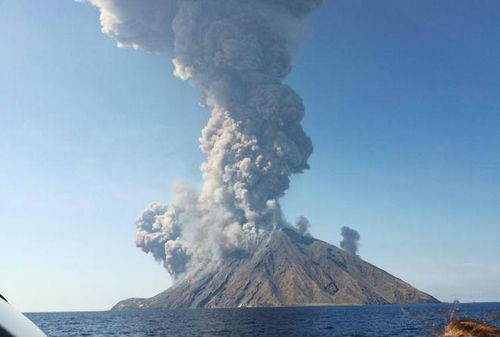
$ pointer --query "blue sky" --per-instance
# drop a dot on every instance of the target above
(403, 108)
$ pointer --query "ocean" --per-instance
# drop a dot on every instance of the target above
(341, 321)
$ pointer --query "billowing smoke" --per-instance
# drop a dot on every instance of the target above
(237, 52)
(302, 225)
(159, 228)
(350, 238)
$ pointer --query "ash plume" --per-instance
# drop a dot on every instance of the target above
(350, 238)
(302, 225)
(237, 52)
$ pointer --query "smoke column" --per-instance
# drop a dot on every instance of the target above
(302, 225)
(350, 238)
(237, 52)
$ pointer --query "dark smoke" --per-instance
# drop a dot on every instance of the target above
(302, 225)
(237, 52)
(350, 238)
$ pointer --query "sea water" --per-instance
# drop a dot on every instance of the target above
(345, 321)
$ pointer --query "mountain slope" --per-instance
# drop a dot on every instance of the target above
(290, 270)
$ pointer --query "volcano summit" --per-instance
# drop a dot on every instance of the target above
(288, 270)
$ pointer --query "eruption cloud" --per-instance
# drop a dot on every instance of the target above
(302, 225)
(237, 52)
(350, 238)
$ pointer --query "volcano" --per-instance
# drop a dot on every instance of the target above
(288, 270)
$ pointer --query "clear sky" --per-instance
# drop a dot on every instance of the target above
(403, 107)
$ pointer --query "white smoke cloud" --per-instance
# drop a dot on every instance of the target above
(350, 240)
(139, 24)
(237, 52)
